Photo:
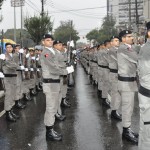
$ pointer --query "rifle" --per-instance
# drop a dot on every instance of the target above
(21, 64)
(32, 71)
(38, 73)
(26, 73)
(2, 85)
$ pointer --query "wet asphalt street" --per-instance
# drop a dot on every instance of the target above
(88, 125)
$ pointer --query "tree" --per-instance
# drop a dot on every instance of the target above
(27, 42)
(37, 26)
(93, 34)
(107, 30)
(66, 31)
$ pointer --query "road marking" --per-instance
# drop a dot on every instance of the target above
(2, 113)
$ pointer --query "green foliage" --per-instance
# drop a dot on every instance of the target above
(106, 31)
(65, 31)
(24, 35)
(93, 34)
(37, 26)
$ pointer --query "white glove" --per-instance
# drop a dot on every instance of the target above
(70, 69)
(37, 59)
(2, 56)
(31, 69)
(26, 69)
(33, 58)
(21, 50)
(38, 69)
(22, 67)
(1, 75)
(27, 56)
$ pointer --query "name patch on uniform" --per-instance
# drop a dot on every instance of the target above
(46, 55)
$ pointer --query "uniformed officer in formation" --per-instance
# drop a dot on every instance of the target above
(113, 78)
(51, 72)
(117, 77)
(144, 93)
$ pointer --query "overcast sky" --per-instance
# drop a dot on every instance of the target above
(84, 20)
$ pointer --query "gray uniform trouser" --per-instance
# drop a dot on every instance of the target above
(105, 82)
(51, 90)
(10, 90)
(18, 94)
(127, 107)
(115, 94)
(25, 88)
(144, 132)
(60, 96)
(64, 88)
(99, 78)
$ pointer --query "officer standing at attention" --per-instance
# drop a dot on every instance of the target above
(127, 85)
(9, 70)
(113, 78)
(144, 93)
(51, 85)
(18, 58)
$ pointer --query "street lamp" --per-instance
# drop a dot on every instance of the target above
(16, 3)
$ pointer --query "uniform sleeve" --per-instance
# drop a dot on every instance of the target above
(130, 55)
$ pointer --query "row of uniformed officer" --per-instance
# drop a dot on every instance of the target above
(117, 66)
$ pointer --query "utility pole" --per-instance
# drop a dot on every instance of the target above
(2, 42)
(21, 29)
(16, 3)
(107, 8)
(136, 12)
(129, 1)
(42, 12)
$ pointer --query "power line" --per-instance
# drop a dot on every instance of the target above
(32, 7)
(80, 15)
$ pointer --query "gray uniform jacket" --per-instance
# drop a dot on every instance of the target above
(9, 65)
(112, 58)
(50, 65)
(127, 67)
(144, 65)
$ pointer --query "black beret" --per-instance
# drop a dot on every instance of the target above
(148, 25)
(124, 32)
(114, 37)
(48, 36)
(106, 41)
(57, 42)
(8, 44)
(17, 45)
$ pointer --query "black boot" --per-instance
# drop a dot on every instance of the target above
(129, 135)
(27, 97)
(19, 105)
(14, 115)
(33, 91)
(115, 115)
(64, 103)
(38, 88)
(60, 117)
(105, 102)
(99, 93)
(10, 117)
(52, 135)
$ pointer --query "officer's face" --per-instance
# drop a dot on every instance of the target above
(128, 39)
(59, 46)
(148, 33)
(17, 49)
(115, 42)
(48, 42)
(9, 48)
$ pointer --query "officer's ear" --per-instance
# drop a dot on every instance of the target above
(42, 42)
